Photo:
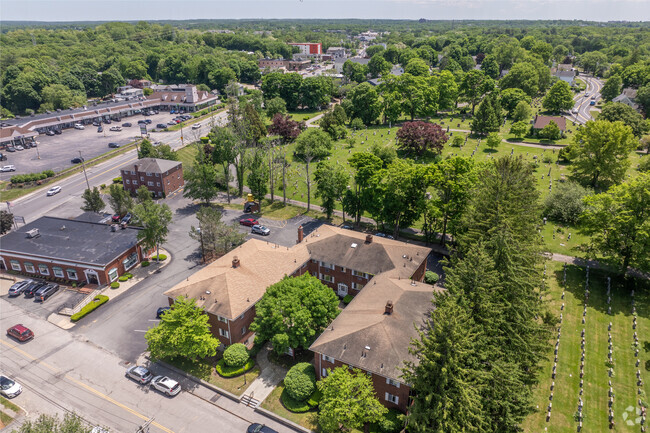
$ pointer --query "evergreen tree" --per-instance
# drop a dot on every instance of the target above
(487, 118)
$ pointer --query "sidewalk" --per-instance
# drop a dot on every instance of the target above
(271, 375)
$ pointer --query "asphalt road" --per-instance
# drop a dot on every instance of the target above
(582, 102)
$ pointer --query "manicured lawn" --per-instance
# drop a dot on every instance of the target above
(205, 370)
(274, 404)
(304, 115)
(5, 419)
(187, 155)
(595, 397)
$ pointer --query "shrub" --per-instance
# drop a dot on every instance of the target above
(235, 355)
(145, 264)
(391, 422)
(356, 124)
(431, 277)
(347, 299)
(547, 159)
(300, 381)
(159, 257)
(564, 203)
(226, 371)
(123, 278)
(117, 179)
(315, 398)
(99, 300)
(115, 285)
(293, 405)
(644, 165)
(129, 275)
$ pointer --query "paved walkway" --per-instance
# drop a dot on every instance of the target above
(271, 375)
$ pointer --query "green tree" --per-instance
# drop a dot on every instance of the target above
(493, 140)
(522, 76)
(183, 332)
(331, 183)
(486, 119)
(490, 67)
(200, 179)
(447, 380)
(618, 222)
(594, 62)
(511, 98)
(565, 203)
(348, 401)
(316, 92)
(300, 381)
(522, 112)
(559, 98)
(355, 71)
(365, 103)
(614, 111)
(258, 178)
(143, 195)
(93, 201)
(601, 151)
(519, 129)
(551, 131)
(311, 144)
(298, 307)
(643, 98)
(356, 201)
(275, 106)
(475, 84)
(447, 90)
(612, 88)
(216, 237)
(6, 221)
(119, 200)
(224, 152)
(417, 67)
(155, 220)
(219, 78)
(379, 66)
(71, 423)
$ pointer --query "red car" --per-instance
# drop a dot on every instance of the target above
(20, 332)
(250, 222)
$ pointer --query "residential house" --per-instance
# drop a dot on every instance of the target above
(161, 176)
(75, 250)
(336, 52)
(627, 97)
(541, 121)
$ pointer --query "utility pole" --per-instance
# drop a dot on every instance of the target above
(182, 143)
(144, 428)
(83, 164)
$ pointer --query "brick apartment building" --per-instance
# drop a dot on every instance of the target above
(161, 176)
(71, 250)
(373, 270)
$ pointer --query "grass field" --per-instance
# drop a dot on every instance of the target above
(596, 386)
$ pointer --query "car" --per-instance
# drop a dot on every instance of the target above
(47, 291)
(49, 132)
(139, 373)
(98, 429)
(127, 218)
(172, 111)
(9, 388)
(96, 123)
(592, 102)
(165, 385)
(17, 288)
(31, 144)
(178, 121)
(250, 222)
(161, 126)
(113, 145)
(100, 129)
(260, 230)
(77, 160)
(141, 122)
(196, 126)
(593, 97)
(171, 122)
(116, 218)
(116, 128)
(3, 157)
(384, 235)
(347, 227)
(10, 149)
(20, 332)
(127, 124)
(8, 168)
(108, 121)
(260, 428)
(30, 291)
(587, 93)
(162, 310)
(78, 126)
(574, 110)
(148, 121)
(53, 190)
(19, 147)
(57, 132)
(155, 111)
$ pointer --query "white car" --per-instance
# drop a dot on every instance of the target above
(587, 93)
(196, 126)
(19, 147)
(260, 230)
(8, 168)
(78, 126)
(166, 385)
(574, 110)
(116, 128)
(53, 190)
(9, 388)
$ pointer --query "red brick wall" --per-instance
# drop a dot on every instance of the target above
(378, 382)
(173, 180)
(340, 275)
(174, 176)
(418, 275)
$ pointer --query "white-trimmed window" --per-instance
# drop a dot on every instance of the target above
(128, 182)
(328, 359)
(224, 333)
(58, 272)
(157, 183)
(135, 182)
(392, 382)
(72, 274)
(327, 265)
(149, 174)
(357, 286)
(360, 274)
(150, 183)
(130, 261)
(167, 181)
(324, 373)
(222, 319)
(343, 269)
(43, 269)
(325, 277)
(142, 178)
(133, 172)
(112, 274)
(243, 330)
(29, 267)
(392, 398)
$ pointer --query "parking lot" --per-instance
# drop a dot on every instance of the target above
(57, 151)
(41, 309)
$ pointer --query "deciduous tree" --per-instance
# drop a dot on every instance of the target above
(614, 111)
(93, 201)
(119, 200)
(224, 152)
(6, 221)
(285, 127)
(71, 423)
(559, 98)
(311, 144)
(217, 238)
(331, 183)
(258, 178)
(475, 84)
(154, 219)
(419, 137)
(201, 179)
(519, 129)
(612, 88)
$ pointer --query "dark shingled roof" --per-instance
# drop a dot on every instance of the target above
(74, 240)
(152, 165)
(542, 121)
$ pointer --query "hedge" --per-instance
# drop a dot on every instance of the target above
(123, 278)
(99, 300)
(347, 299)
(31, 177)
(115, 285)
(160, 257)
(293, 405)
(225, 371)
(315, 398)
(117, 179)
(300, 381)
(128, 275)
(392, 422)
(235, 355)
(145, 264)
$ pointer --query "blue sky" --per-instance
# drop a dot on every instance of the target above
(103, 10)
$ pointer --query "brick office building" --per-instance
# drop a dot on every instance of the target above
(71, 250)
(160, 176)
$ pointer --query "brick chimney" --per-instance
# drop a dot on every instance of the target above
(235, 262)
(368, 238)
(300, 235)
(389, 307)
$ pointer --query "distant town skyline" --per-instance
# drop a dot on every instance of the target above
(130, 10)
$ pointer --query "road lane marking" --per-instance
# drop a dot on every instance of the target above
(87, 387)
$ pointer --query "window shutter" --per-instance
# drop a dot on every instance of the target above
(387, 397)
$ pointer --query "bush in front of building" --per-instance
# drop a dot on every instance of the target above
(391, 422)
(235, 355)
(431, 277)
(347, 299)
(145, 264)
(115, 285)
(96, 302)
(117, 179)
(293, 405)
(227, 372)
(159, 257)
(123, 278)
(300, 381)
(314, 399)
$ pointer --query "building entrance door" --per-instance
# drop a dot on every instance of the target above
(342, 290)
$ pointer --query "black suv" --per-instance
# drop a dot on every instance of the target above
(31, 290)
(161, 126)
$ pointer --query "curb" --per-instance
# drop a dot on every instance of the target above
(283, 421)
(208, 385)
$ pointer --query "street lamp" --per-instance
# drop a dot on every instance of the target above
(83, 164)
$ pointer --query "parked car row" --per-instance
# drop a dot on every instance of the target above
(40, 290)
(19, 147)
(163, 384)
(255, 226)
